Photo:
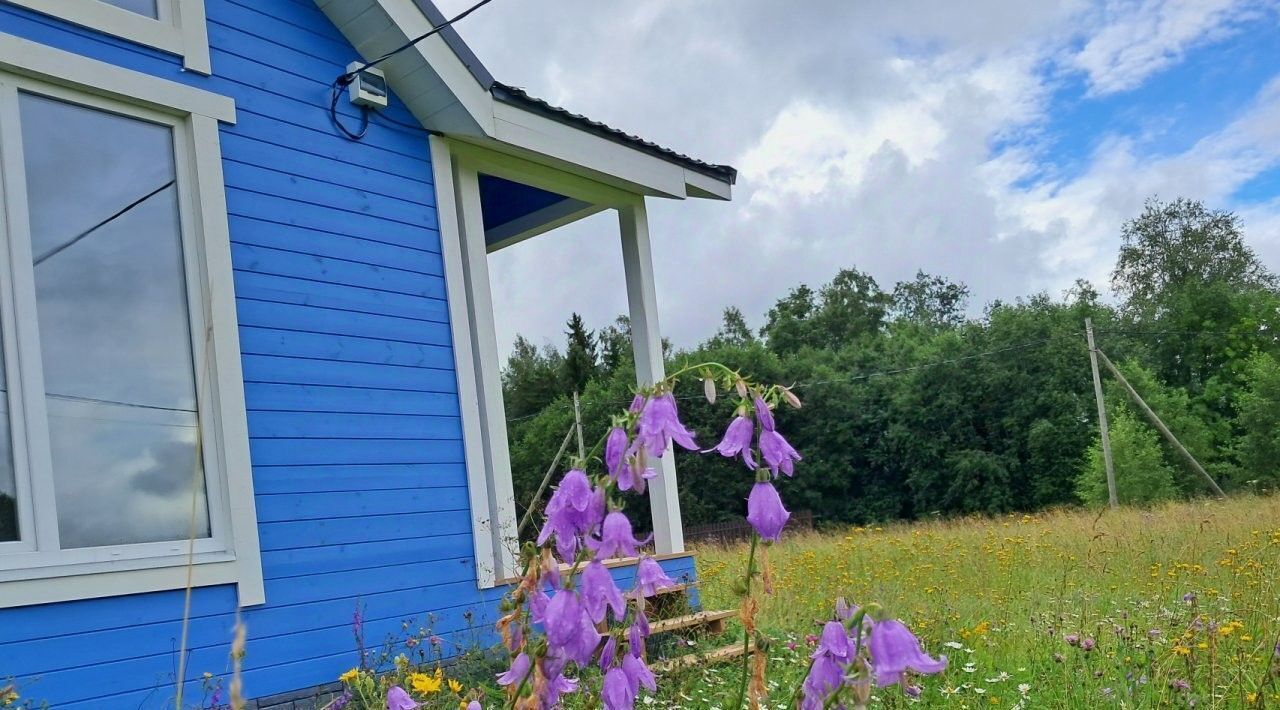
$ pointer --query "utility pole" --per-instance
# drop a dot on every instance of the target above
(1102, 415)
(577, 423)
(1160, 426)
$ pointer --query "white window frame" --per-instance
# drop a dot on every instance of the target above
(32, 571)
(179, 29)
(457, 166)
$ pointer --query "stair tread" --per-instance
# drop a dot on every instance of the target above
(692, 659)
(695, 619)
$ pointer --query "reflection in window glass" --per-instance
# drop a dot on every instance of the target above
(8, 481)
(142, 7)
(114, 334)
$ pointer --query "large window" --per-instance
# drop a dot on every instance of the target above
(122, 440)
(173, 26)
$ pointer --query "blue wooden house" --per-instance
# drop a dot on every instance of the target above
(247, 354)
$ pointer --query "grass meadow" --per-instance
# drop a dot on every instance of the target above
(1174, 606)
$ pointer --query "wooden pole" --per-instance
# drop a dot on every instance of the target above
(1102, 415)
(542, 487)
(1164, 430)
(577, 423)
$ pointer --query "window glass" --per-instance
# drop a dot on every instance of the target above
(142, 7)
(8, 481)
(114, 333)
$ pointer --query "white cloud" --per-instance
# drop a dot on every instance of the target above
(1140, 37)
(886, 136)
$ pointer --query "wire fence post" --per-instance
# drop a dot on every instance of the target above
(1102, 415)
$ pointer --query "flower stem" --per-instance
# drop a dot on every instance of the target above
(746, 630)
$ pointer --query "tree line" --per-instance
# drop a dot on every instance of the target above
(913, 407)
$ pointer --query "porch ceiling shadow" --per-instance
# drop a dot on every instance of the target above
(514, 211)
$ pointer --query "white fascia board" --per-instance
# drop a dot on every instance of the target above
(705, 186)
(608, 161)
(539, 222)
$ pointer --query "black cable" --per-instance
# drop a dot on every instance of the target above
(119, 213)
(336, 92)
(346, 78)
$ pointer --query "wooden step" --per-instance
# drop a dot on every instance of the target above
(712, 621)
(695, 659)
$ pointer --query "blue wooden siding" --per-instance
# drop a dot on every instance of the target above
(354, 419)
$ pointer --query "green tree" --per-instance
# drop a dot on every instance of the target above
(1259, 422)
(733, 331)
(1142, 476)
(615, 344)
(930, 301)
(531, 378)
(580, 357)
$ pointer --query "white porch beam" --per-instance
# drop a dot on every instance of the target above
(541, 221)
(646, 341)
(495, 466)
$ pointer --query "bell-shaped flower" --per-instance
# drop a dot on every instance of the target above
(765, 511)
(895, 650)
(518, 671)
(638, 674)
(777, 453)
(638, 632)
(826, 674)
(398, 699)
(659, 425)
(616, 539)
(764, 414)
(555, 684)
(615, 450)
(636, 472)
(569, 628)
(608, 653)
(834, 642)
(600, 592)
(616, 692)
(573, 510)
(737, 441)
(650, 577)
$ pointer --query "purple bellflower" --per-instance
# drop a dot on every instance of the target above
(516, 674)
(556, 684)
(636, 472)
(777, 453)
(638, 632)
(608, 653)
(599, 592)
(616, 539)
(617, 693)
(569, 628)
(737, 440)
(895, 650)
(398, 699)
(574, 509)
(659, 425)
(615, 451)
(474, 705)
(765, 511)
(638, 674)
(650, 577)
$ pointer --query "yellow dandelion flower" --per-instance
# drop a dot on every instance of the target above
(1181, 650)
(455, 686)
(425, 684)
(349, 675)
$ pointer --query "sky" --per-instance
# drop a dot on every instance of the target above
(1001, 144)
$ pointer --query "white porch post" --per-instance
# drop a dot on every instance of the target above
(646, 341)
(496, 466)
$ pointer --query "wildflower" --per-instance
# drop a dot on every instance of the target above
(398, 699)
(636, 473)
(638, 674)
(894, 649)
(912, 691)
(737, 440)
(569, 627)
(338, 703)
(574, 509)
(777, 453)
(834, 642)
(617, 693)
(600, 592)
(638, 632)
(659, 425)
(474, 705)
(616, 539)
(651, 578)
(349, 676)
(454, 686)
(516, 674)
(1189, 597)
(615, 450)
(1088, 644)
(1180, 685)
(1072, 639)
(765, 511)
(426, 684)
(1023, 689)
(1154, 634)
(608, 653)
(555, 684)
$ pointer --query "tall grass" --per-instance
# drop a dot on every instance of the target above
(1173, 606)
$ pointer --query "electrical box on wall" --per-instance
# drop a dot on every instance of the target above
(368, 86)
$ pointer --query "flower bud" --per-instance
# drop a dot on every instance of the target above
(741, 386)
(709, 389)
